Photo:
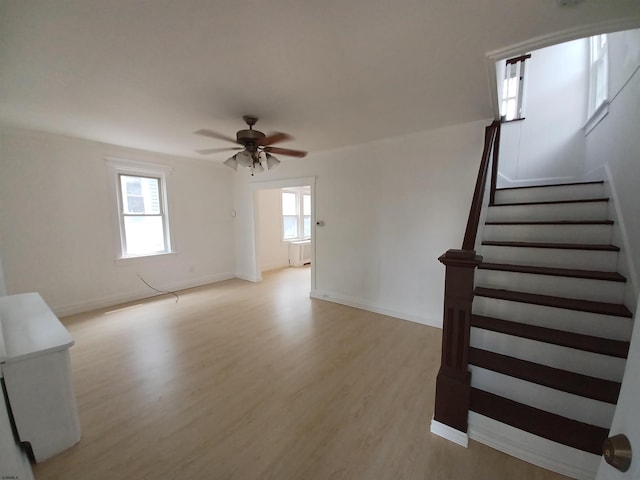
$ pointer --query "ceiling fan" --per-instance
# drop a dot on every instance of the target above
(256, 151)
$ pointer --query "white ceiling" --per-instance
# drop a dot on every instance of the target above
(148, 73)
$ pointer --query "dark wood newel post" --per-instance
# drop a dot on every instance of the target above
(453, 384)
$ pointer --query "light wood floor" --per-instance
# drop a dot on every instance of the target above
(258, 381)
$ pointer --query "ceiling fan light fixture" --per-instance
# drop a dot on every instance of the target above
(232, 162)
(244, 159)
(271, 161)
(256, 168)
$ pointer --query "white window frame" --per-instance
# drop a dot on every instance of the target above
(598, 107)
(300, 192)
(517, 65)
(119, 167)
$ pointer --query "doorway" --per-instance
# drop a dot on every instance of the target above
(284, 225)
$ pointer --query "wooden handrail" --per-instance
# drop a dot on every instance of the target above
(453, 383)
(491, 136)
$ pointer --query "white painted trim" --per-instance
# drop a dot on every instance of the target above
(597, 116)
(372, 307)
(449, 433)
(532, 448)
(274, 266)
(543, 41)
(111, 300)
(504, 180)
(623, 256)
(249, 277)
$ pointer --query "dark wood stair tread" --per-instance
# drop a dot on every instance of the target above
(583, 436)
(571, 184)
(558, 379)
(552, 222)
(578, 341)
(563, 246)
(556, 272)
(551, 202)
(603, 308)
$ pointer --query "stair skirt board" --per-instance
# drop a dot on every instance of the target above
(570, 287)
(568, 405)
(595, 324)
(533, 449)
(556, 356)
(596, 233)
(551, 192)
(543, 257)
(549, 212)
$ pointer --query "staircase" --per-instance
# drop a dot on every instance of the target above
(549, 330)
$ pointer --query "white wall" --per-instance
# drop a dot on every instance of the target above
(389, 208)
(614, 143)
(626, 419)
(56, 228)
(3, 285)
(273, 252)
(548, 145)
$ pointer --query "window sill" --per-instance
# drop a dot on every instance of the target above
(142, 258)
(513, 120)
(597, 116)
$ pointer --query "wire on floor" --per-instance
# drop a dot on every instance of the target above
(159, 291)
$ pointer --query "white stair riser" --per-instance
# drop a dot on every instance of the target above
(548, 194)
(562, 211)
(578, 361)
(569, 287)
(544, 398)
(599, 234)
(605, 326)
(533, 449)
(556, 257)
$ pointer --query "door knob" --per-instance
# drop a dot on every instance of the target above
(617, 452)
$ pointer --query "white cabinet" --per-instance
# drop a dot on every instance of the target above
(37, 375)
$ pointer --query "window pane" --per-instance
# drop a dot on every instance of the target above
(306, 204)
(290, 226)
(140, 195)
(143, 235)
(307, 226)
(289, 203)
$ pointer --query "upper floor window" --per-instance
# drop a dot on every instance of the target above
(598, 73)
(512, 106)
(141, 203)
(296, 213)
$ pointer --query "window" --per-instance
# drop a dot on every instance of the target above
(512, 107)
(598, 73)
(141, 202)
(296, 213)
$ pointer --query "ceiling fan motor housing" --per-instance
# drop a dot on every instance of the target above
(249, 138)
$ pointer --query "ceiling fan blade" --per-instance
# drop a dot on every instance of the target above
(207, 151)
(275, 137)
(285, 151)
(211, 134)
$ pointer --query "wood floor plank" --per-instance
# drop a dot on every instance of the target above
(245, 381)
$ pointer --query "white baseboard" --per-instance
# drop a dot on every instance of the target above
(506, 182)
(274, 266)
(249, 277)
(532, 448)
(111, 300)
(450, 433)
(372, 307)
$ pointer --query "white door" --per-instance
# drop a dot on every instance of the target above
(627, 417)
